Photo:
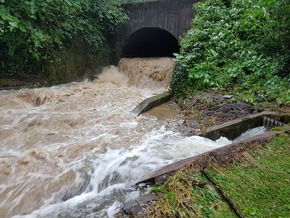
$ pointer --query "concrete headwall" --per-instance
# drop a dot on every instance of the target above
(173, 16)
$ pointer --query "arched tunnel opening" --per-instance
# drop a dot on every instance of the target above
(150, 42)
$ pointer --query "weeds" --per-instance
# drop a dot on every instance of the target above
(258, 184)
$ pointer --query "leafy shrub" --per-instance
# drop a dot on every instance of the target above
(228, 49)
(36, 34)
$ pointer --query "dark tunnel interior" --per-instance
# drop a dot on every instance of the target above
(150, 42)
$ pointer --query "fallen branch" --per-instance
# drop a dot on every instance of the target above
(225, 197)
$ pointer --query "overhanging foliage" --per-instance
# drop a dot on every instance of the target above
(35, 33)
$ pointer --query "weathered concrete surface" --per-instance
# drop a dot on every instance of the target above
(223, 154)
(149, 103)
(171, 16)
(284, 118)
(234, 128)
(135, 207)
(220, 155)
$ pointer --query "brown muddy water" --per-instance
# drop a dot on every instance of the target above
(73, 150)
(166, 111)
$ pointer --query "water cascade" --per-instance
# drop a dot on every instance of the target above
(73, 150)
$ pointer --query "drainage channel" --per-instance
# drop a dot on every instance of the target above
(269, 123)
(251, 130)
(241, 133)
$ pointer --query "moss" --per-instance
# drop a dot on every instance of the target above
(278, 128)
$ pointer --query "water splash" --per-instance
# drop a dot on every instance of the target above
(73, 150)
(51, 137)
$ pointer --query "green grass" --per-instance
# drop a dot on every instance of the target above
(258, 184)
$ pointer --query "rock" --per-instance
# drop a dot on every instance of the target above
(135, 207)
(227, 96)
(132, 208)
(239, 106)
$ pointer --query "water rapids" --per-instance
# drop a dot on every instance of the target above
(73, 150)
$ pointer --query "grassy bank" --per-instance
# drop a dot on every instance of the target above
(258, 184)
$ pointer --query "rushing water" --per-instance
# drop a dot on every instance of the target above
(73, 150)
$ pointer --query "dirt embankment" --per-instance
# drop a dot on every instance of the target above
(205, 109)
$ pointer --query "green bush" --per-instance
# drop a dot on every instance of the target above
(229, 48)
(36, 34)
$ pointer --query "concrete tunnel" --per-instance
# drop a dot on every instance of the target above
(150, 42)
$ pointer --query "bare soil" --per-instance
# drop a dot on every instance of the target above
(205, 109)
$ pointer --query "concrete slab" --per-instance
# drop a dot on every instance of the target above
(234, 128)
(149, 103)
(220, 155)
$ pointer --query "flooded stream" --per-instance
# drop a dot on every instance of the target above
(73, 150)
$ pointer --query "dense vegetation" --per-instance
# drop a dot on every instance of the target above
(257, 183)
(55, 39)
(241, 47)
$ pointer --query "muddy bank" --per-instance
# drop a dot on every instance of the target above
(204, 109)
(214, 114)
(216, 158)
(200, 113)
(257, 179)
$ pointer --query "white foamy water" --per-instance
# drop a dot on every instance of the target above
(73, 150)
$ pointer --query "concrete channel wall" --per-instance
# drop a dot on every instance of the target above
(226, 153)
